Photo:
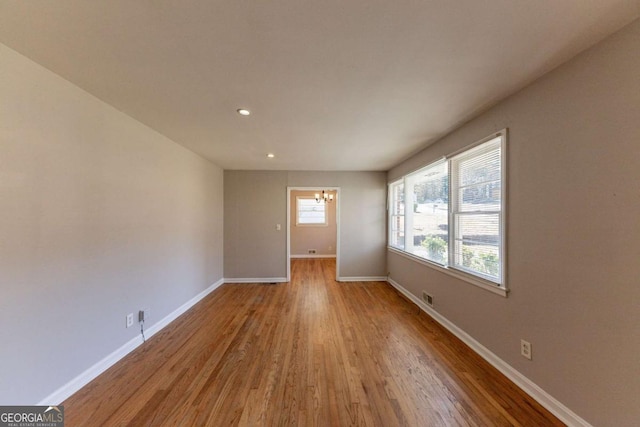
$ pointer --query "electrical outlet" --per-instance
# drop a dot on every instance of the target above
(428, 299)
(312, 251)
(525, 349)
(129, 320)
(143, 315)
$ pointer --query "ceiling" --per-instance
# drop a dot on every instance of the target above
(331, 84)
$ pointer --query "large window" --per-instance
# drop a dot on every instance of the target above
(451, 212)
(476, 208)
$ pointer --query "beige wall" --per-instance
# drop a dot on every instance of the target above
(255, 201)
(573, 234)
(99, 216)
(320, 238)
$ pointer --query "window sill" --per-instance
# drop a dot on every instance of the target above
(484, 284)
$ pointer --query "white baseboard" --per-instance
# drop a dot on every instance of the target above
(64, 392)
(363, 279)
(545, 399)
(256, 280)
(312, 256)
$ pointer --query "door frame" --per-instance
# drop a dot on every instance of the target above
(336, 201)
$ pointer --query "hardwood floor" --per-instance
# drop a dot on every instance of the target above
(311, 352)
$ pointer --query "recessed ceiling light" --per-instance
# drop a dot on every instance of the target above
(271, 155)
(243, 112)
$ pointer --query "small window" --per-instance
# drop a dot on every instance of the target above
(396, 227)
(310, 212)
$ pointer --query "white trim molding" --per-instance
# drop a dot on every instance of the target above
(256, 280)
(64, 392)
(337, 200)
(363, 279)
(554, 406)
(312, 256)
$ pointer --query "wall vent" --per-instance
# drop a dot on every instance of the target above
(428, 299)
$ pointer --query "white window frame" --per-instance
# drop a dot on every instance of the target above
(390, 209)
(477, 149)
(311, 224)
(500, 286)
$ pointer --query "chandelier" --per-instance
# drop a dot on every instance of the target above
(324, 197)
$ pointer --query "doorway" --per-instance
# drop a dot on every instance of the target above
(313, 228)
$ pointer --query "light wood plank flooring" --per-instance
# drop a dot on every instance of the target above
(311, 352)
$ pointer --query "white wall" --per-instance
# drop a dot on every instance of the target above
(99, 216)
(255, 201)
(322, 238)
(573, 234)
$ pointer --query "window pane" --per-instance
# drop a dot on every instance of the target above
(396, 226)
(397, 199)
(480, 197)
(483, 167)
(477, 244)
(484, 260)
(397, 231)
(430, 213)
(311, 212)
(478, 229)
